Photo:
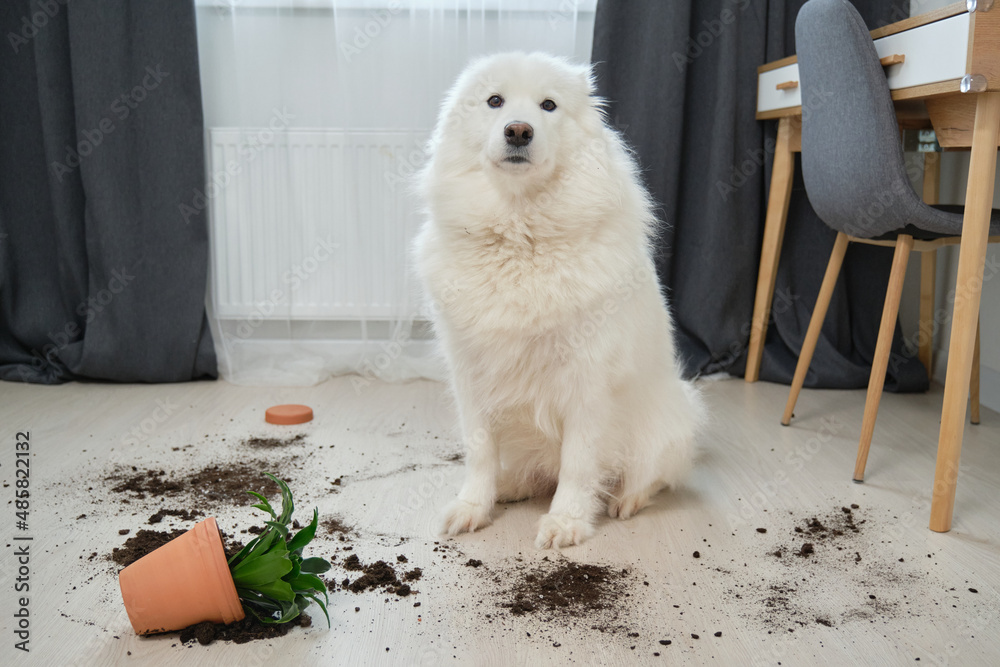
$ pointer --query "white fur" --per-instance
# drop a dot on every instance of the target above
(547, 306)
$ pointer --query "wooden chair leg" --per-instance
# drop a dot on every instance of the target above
(974, 381)
(816, 323)
(782, 175)
(925, 340)
(904, 244)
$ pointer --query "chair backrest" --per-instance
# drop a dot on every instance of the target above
(852, 158)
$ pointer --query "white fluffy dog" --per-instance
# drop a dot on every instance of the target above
(536, 256)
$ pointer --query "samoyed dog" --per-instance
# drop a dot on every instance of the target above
(536, 259)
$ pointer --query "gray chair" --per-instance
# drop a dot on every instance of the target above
(855, 177)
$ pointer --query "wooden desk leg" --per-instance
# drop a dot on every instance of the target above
(928, 268)
(971, 261)
(782, 174)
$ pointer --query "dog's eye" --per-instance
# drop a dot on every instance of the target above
(495, 101)
(549, 105)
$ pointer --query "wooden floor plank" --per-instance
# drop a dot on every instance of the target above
(391, 445)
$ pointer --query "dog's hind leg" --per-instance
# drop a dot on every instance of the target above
(631, 497)
(661, 456)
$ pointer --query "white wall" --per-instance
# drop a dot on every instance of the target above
(954, 177)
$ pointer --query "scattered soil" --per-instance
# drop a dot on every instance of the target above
(268, 443)
(379, 575)
(240, 632)
(146, 541)
(567, 591)
(336, 526)
(140, 544)
(840, 573)
(213, 485)
(181, 514)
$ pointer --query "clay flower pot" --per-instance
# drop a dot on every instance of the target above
(184, 582)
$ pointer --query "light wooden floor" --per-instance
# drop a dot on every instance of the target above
(391, 444)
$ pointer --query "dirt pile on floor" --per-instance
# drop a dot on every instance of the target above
(379, 575)
(240, 632)
(270, 443)
(140, 544)
(205, 488)
(566, 589)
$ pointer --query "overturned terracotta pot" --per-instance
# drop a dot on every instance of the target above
(186, 581)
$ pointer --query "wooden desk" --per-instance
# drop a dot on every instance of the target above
(947, 73)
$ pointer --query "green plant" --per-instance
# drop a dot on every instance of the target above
(274, 582)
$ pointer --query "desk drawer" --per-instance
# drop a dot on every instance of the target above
(933, 52)
(770, 97)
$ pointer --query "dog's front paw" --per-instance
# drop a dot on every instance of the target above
(464, 517)
(559, 530)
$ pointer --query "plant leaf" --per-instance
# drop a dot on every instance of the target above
(249, 596)
(315, 565)
(287, 506)
(263, 618)
(296, 568)
(238, 556)
(275, 590)
(263, 504)
(269, 567)
(306, 582)
(321, 606)
(304, 536)
(289, 611)
(280, 527)
(267, 539)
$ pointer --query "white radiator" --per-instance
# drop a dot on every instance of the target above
(316, 221)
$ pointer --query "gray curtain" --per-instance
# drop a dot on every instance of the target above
(681, 78)
(103, 248)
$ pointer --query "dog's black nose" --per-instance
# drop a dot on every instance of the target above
(518, 133)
